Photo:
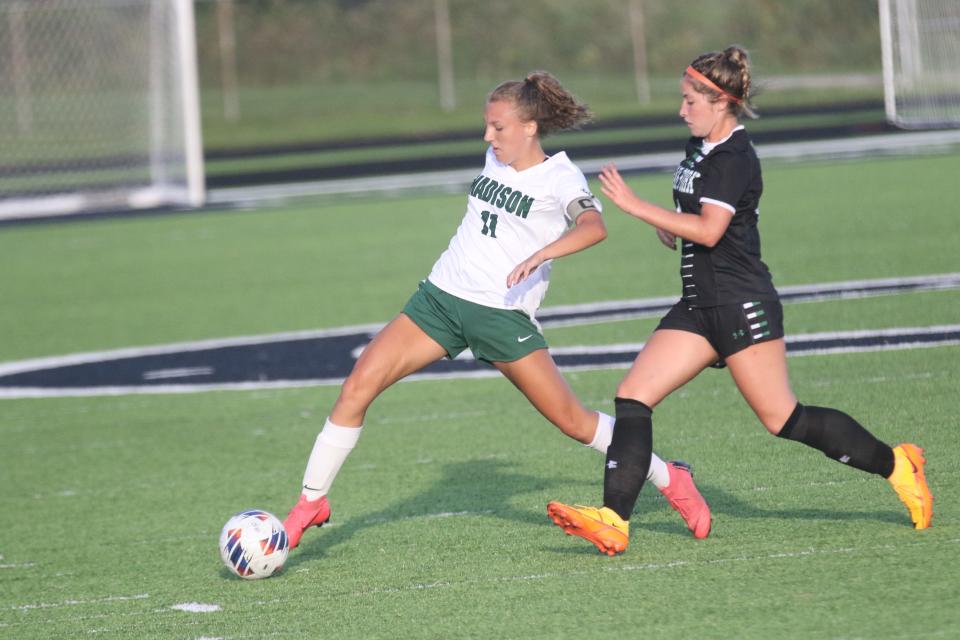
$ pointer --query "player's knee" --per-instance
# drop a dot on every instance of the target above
(577, 423)
(773, 428)
(635, 392)
(582, 436)
(773, 421)
(358, 390)
(624, 390)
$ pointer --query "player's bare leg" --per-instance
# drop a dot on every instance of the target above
(760, 372)
(668, 360)
(399, 349)
(537, 377)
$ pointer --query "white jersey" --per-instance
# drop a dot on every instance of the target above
(510, 215)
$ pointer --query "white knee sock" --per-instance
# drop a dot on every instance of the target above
(604, 433)
(658, 473)
(333, 445)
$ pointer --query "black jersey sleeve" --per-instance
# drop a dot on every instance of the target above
(727, 178)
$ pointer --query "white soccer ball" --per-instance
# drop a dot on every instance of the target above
(254, 544)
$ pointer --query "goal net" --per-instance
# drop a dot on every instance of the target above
(99, 106)
(921, 62)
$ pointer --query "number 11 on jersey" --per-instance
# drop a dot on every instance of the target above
(489, 224)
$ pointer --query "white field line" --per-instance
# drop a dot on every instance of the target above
(74, 603)
(70, 392)
(33, 621)
(9, 368)
(796, 554)
(622, 348)
(37, 364)
(34, 364)
(430, 516)
(800, 338)
(846, 289)
(180, 372)
(455, 181)
(801, 553)
(196, 607)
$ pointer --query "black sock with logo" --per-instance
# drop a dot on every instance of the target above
(839, 437)
(628, 456)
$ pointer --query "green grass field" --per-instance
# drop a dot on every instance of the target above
(345, 109)
(439, 528)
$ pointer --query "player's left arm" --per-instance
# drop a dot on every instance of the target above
(588, 229)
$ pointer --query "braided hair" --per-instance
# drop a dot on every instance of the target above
(730, 70)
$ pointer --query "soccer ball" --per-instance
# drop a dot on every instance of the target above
(254, 544)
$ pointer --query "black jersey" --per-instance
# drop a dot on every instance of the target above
(728, 175)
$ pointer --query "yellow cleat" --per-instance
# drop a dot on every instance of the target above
(911, 485)
(603, 527)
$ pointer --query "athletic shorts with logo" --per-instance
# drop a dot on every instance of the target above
(728, 328)
(493, 335)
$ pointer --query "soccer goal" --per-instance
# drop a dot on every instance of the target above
(921, 62)
(99, 106)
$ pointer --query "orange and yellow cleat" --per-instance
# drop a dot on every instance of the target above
(910, 483)
(603, 527)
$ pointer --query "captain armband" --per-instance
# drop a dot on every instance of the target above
(581, 205)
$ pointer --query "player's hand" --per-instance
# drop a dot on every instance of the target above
(523, 270)
(617, 190)
(668, 239)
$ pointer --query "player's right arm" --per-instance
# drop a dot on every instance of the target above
(705, 228)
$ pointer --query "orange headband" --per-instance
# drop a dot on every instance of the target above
(696, 75)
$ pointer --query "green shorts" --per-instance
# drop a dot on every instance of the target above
(493, 335)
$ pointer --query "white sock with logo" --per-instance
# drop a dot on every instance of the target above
(658, 474)
(334, 443)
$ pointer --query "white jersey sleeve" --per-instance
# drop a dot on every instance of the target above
(510, 215)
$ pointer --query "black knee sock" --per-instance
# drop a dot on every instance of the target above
(628, 456)
(839, 437)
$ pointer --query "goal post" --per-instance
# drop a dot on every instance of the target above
(920, 42)
(99, 106)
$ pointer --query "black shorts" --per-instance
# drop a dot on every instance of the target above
(728, 328)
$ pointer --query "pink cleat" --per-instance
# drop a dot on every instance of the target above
(683, 496)
(306, 514)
